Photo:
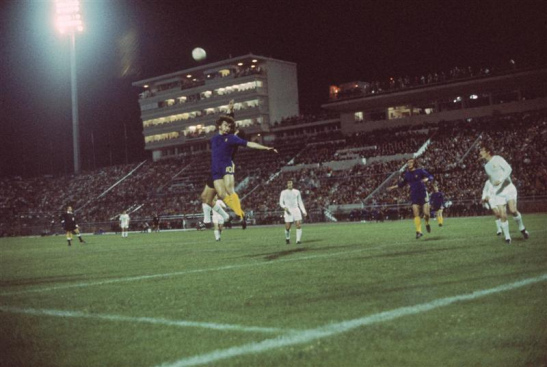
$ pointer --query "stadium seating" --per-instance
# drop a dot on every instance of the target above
(172, 186)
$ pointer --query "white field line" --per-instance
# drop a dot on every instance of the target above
(306, 336)
(185, 272)
(148, 320)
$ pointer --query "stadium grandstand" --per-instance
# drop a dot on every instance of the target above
(341, 158)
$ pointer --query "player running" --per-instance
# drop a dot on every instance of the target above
(218, 220)
(291, 202)
(436, 202)
(489, 201)
(416, 179)
(499, 175)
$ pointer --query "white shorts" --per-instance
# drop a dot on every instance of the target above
(124, 225)
(295, 216)
(507, 194)
(495, 201)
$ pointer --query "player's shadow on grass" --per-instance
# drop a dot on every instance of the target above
(301, 248)
(431, 238)
(277, 255)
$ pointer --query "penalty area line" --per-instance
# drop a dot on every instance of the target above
(146, 320)
(310, 335)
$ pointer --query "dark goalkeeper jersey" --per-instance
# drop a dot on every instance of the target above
(68, 220)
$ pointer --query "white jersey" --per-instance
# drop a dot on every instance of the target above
(488, 190)
(124, 220)
(217, 218)
(291, 199)
(498, 171)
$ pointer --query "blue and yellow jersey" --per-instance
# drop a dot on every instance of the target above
(222, 150)
(418, 192)
(437, 200)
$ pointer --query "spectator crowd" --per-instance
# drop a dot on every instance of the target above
(172, 186)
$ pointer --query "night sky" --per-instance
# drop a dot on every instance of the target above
(332, 42)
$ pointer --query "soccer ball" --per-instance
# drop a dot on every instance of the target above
(199, 54)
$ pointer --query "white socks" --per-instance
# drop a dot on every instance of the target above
(505, 229)
(217, 234)
(206, 213)
(217, 208)
(498, 225)
(298, 234)
(518, 219)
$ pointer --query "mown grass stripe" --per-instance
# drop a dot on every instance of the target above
(341, 327)
(178, 273)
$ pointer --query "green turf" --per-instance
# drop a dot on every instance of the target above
(252, 279)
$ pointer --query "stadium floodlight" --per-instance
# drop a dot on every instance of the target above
(69, 21)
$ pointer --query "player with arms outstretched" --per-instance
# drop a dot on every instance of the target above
(208, 202)
(416, 179)
(223, 146)
(436, 202)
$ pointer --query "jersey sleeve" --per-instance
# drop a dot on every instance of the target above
(427, 175)
(506, 169)
(282, 200)
(236, 140)
(486, 190)
(301, 203)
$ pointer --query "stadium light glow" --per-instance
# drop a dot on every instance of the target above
(69, 20)
(68, 16)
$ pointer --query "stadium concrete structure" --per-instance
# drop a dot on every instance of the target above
(179, 110)
(460, 98)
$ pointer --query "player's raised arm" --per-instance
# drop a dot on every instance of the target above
(254, 145)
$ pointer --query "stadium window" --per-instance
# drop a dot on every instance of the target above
(224, 72)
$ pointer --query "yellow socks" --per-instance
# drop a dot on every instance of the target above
(440, 219)
(418, 224)
(228, 201)
(233, 202)
(237, 205)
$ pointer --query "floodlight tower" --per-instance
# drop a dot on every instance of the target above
(69, 21)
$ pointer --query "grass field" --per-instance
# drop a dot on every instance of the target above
(355, 294)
